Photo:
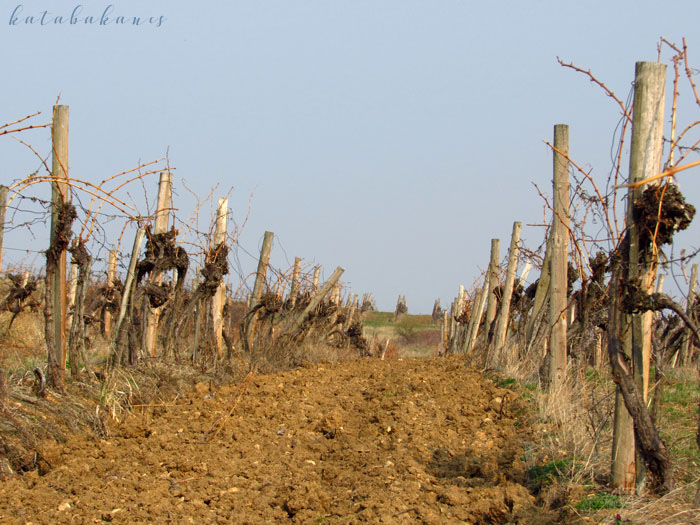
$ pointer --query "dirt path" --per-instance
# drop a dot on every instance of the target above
(396, 441)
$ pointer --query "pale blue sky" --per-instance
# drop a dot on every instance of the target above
(393, 138)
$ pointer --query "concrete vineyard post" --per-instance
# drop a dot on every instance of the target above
(559, 258)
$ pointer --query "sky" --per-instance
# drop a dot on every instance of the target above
(393, 138)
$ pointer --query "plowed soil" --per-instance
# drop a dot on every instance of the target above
(395, 441)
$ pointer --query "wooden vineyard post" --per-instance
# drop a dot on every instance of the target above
(687, 349)
(451, 328)
(541, 296)
(660, 283)
(475, 319)
(111, 278)
(504, 314)
(436, 311)
(70, 300)
(258, 288)
(162, 218)
(350, 300)
(317, 276)
(559, 259)
(294, 291)
(82, 262)
(126, 294)
(401, 307)
(197, 315)
(315, 300)
(3, 205)
(524, 274)
(444, 331)
(55, 313)
(3, 208)
(217, 301)
(645, 161)
(350, 315)
(492, 304)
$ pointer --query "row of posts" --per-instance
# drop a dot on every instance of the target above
(645, 162)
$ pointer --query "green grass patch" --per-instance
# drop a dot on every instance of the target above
(377, 319)
(505, 382)
(678, 423)
(683, 394)
(600, 501)
(541, 474)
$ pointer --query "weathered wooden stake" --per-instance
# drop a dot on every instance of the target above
(475, 319)
(645, 161)
(162, 219)
(504, 314)
(493, 282)
(82, 261)
(317, 276)
(70, 301)
(3, 208)
(258, 286)
(524, 274)
(445, 330)
(687, 350)
(126, 295)
(351, 314)
(59, 196)
(559, 259)
(197, 316)
(541, 296)
(294, 291)
(111, 278)
(436, 311)
(262, 269)
(217, 301)
(660, 283)
(316, 299)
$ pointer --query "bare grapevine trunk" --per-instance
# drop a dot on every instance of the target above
(76, 340)
(650, 446)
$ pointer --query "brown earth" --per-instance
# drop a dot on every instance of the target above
(395, 441)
